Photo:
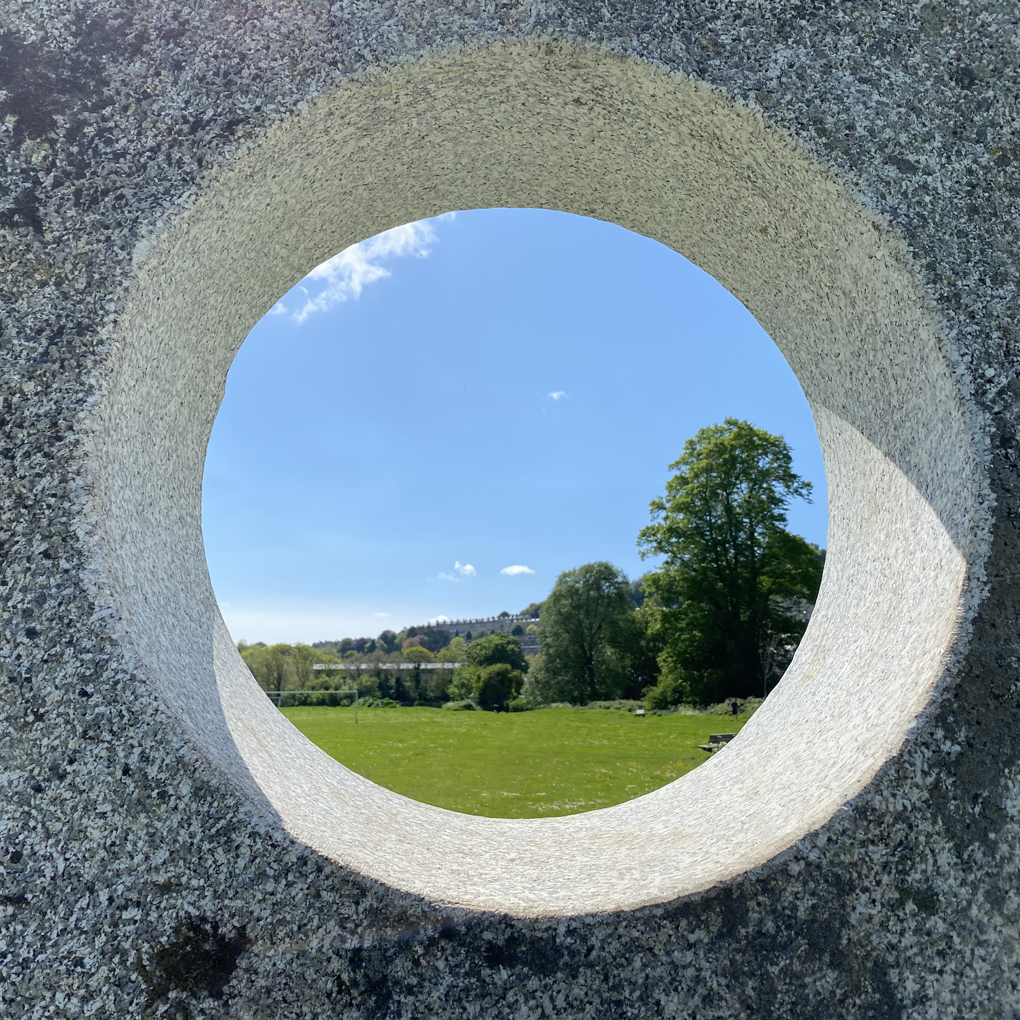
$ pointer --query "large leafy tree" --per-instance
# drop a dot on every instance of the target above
(720, 601)
(588, 630)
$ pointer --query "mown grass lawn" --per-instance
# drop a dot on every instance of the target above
(554, 761)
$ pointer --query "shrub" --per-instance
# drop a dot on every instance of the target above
(466, 705)
(746, 706)
(462, 685)
(494, 673)
(665, 694)
(498, 684)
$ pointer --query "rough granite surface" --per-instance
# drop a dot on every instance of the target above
(135, 880)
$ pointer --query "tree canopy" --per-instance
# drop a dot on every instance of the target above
(494, 673)
(497, 648)
(417, 654)
(587, 630)
(720, 600)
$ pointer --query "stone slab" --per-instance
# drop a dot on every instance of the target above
(169, 845)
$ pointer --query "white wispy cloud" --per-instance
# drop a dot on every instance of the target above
(461, 570)
(557, 394)
(380, 614)
(517, 568)
(278, 309)
(439, 619)
(345, 275)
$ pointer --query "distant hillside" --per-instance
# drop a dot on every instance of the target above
(436, 636)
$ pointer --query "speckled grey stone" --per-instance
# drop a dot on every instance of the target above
(170, 846)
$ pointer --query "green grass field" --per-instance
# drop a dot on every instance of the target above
(554, 761)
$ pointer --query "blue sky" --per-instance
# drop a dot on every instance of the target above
(443, 418)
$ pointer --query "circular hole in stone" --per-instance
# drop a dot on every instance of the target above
(434, 424)
(556, 127)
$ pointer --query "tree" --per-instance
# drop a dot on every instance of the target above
(496, 648)
(498, 684)
(434, 639)
(418, 655)
(644, 649)
(719, 599)
(288, 667)
(453, 652)
(477, 681)
(588, 629)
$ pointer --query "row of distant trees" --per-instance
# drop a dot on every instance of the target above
(491, 671)
(719, 617)
(389, 643)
